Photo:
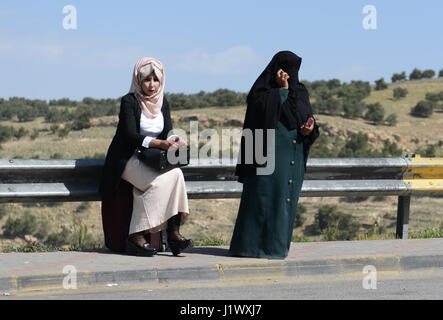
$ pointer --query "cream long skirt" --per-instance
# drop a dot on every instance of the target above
(157, 196)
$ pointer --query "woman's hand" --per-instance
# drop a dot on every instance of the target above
(282, 79)
(179, 140)
(306, 129)
(162, 144)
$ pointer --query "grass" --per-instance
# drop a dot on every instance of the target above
(210, 242)
(429, 232)
(37, 247)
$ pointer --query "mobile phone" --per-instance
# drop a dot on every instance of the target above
(309, 122)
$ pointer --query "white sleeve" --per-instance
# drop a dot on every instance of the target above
(146, 141)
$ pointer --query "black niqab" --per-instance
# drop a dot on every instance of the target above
(264, 105)
(265, 110)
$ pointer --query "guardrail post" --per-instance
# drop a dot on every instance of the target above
(403, 216)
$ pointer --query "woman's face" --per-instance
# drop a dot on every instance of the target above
(150, 85)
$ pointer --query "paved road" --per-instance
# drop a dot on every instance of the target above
(395, 286)
(405, 269)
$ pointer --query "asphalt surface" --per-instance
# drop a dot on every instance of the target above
(211, 267)
(388, 287)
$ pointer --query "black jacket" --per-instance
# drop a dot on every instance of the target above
(127, 138)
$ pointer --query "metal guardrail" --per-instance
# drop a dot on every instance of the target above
(40, 180)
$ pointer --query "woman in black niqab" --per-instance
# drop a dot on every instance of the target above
(266, 215)
(265, 110)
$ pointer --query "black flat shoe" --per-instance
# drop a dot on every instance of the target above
(177, 246)
(135, 250)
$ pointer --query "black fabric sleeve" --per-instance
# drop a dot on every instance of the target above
(265, 110)
(127, 120)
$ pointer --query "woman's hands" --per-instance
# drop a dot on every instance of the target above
(282, 79)
(178, 140)
(175, 142)
(306, 129)
(162, 144)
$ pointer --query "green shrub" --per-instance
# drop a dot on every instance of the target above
(333, 84)
(296, 238)
(333, 106)
(58, 239)
(21, 226)
(399, 93)
(391, 120)
(30, 247)
(210, 241)
(54, 128)
(428, 74)
(416, 74)
(390, 149)
(353, 108)
(334, 224)
(380, 84)
(27, 224)
(356, 90)
(375, 230)
(82, 120)
(3, 210)
(58, 115)
(429, 232)
(321, 148)
(423, 108)
(35, 134)
(20, 133)
(356, 146)
(63, 132)
(80, 238)
(26, 114)
(434, 97)
(375, 113)
(429, 151)
(6, 132)
(398, 76)
(300, 215)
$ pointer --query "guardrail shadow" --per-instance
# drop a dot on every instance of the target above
(212, 251)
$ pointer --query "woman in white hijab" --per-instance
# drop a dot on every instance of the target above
(159, 199)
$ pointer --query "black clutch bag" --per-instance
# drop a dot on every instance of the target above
(158, 158)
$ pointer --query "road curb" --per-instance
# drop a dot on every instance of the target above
(238, 270)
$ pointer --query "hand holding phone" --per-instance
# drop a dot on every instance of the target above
(310, 122)
(307, 128)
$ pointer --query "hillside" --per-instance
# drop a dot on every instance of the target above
(215, 218)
